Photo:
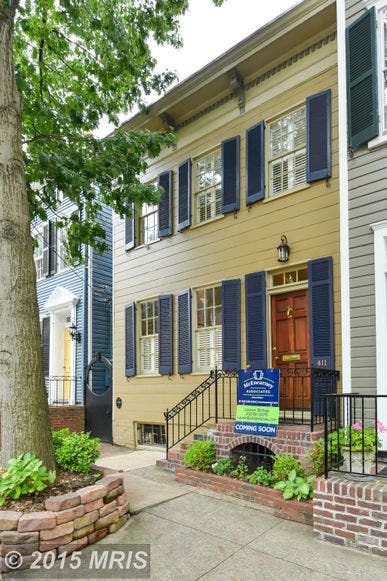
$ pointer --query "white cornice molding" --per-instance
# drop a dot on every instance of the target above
(379, 225)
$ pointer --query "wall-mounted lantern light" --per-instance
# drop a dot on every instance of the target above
(283, 249)
(74, 334)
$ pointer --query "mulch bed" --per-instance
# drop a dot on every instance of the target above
(65, 482)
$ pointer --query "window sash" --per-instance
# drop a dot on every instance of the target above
(208, 328)
(61, 264)
(38, 256)
(209, 348)
(149, 354)
(207, 186)
(287, 152)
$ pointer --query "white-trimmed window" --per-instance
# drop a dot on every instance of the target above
(149, 337)
(207, 186)
(38, 254)
(208, 328)
(148, 223)
(61, 250)
(382, 59)
(287, 152)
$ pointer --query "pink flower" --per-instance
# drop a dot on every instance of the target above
(380, 427)
(357, 426)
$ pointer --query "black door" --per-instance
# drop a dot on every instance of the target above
(98, 398)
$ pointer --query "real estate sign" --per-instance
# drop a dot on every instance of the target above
(258, 402)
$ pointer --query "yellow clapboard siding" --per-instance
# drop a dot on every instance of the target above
(227, 247)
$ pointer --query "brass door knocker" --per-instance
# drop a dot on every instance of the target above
(289, 312)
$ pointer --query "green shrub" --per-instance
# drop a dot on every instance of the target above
(296, 486)
(75, 452)
(24, 475)
(260, 476)
(315, 458)
(200, 455)
(222, 467)
(283, 465)
(241, 470)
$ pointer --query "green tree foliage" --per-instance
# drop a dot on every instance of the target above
(76, 64)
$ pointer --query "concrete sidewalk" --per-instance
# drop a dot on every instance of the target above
(201, 535)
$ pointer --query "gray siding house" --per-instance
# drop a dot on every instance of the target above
(365, 73)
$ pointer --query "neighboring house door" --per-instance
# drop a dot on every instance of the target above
(66, 364)
(98, 398)
(290, 346)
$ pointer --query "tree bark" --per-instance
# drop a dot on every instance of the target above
(24, 414)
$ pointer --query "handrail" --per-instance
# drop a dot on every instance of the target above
(169, 414)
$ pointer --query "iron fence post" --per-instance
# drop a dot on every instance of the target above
(312, 387)
(326, 436)
(167, 434)
(216, 395)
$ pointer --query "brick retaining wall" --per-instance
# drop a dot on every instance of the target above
(69, 523)
(287, 509)
(351, 513)
(67, 416)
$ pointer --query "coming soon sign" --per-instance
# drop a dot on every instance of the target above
(258, 402)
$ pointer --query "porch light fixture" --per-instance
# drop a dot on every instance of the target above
(283, 249)
(74, 334)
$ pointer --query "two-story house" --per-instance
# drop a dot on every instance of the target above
(363, 135)
(76, 321)
(239, 264)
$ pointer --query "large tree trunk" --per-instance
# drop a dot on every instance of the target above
(24, 415)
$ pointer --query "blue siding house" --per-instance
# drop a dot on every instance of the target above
(75, 310)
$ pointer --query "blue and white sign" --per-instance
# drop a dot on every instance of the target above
(258, 402)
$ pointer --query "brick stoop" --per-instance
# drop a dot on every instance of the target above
(301, 512)
(291, 439)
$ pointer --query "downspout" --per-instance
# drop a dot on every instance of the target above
(343, 186)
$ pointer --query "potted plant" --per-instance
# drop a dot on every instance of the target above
(357, 444)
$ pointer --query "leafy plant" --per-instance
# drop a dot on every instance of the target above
(222, 467)
(283, 465)
(200, 455)
(296, 486)
(357, 437)
(315, 458)
(75, 452)
(260, 476)
(241, 470)
(25, 475)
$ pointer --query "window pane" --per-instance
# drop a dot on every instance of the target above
(290, 277)
(303, 274)
(200, 318)
(218, 316)
(209, 297)
(200, 299)
(150, 327)
(278, 279)
(156, 308)
(143, 328)
(143, 310)
(218, 295)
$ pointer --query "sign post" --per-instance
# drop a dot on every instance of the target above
(258, 402)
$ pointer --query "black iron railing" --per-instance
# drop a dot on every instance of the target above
(302, 393)
(353, 435)
(62, 389)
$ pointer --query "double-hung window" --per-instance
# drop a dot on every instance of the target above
(38, 254)
(149, 223)
(382, 64)
(207, 186)
(61, 252)
(208, 331)
(287, 152)
(149, 337)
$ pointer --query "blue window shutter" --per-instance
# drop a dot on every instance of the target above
(46, 249)
(166, 334)
(321, 323)
(255, 163)
(130, 230)
(184, 331)
(230, 174)
(52, 231)
(231, 324)
(318, 136)
(45, 341)
(255, 306)
(165, 204)
(130, 340)
(184, 209)
(362, 79)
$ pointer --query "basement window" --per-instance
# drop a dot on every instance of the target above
(255, 454)
(151, 434)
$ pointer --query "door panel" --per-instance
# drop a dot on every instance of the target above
(290, 346)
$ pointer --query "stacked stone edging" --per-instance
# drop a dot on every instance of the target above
(351, 513)
(70, 522)
(287, 509)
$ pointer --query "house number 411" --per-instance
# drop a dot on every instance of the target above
(322, 363)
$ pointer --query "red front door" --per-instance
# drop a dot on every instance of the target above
(290, 347)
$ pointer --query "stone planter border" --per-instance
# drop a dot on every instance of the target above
(301, 512)
(70, 521)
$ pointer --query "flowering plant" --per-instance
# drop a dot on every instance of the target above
(358, 437)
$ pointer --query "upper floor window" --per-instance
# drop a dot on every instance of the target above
(149, 337)
(287, 152)
(61, 252)
(38, 255)
(383, 59)
(149, 223)
(207, 186)
(208, 339)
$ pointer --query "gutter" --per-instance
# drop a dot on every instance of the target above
(344, 210)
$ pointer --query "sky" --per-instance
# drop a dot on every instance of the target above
(208, 31)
